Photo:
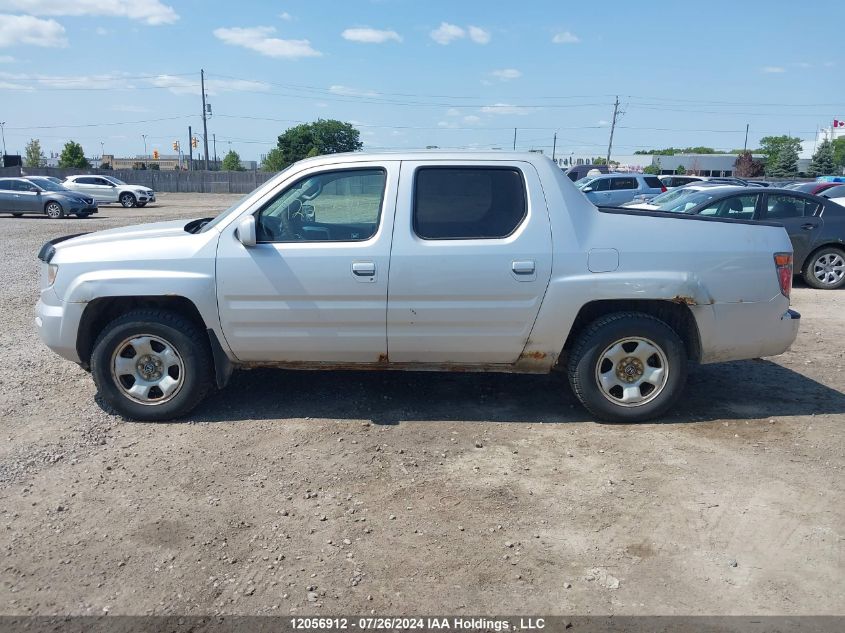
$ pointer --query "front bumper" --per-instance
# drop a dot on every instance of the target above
(146, 198)
(57, 323)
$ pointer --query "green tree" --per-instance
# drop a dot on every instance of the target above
(771, 146)
(274, 160)
(671, 151)
(232, 161)
(73, 156)
(839, 152)
(786, 162)
(324, 136)
(652, 169)
(33, 157)
(680, 170)
(746, 167)
(822, 163)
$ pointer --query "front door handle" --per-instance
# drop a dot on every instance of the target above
(364, 269)
(808, 226)
(525, 267)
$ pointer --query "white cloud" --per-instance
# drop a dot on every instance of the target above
(506, 74)
(453, 112)
(258, 39)
(16, 30)
(321, 104)
(129, 107)
(506, 108)
(101, 31)
(445, 33)
(774, 69)
(287, 17)
(566, 37)
(479, 35)
(472, 119)
(190, 86)
(6, 59)
(602, 122)
(829, 64)
(149, 11)
(346, 91)
(367, 35)
(447, 124)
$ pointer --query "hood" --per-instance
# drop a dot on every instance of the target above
(641, 205)
(137, 188)
(140, 231)
(73, 195)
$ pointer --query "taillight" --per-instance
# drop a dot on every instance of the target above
(663, 189)
(783, 263)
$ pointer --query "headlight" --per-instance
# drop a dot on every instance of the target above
(52, 271)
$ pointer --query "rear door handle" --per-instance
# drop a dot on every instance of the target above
(364, 269)
(524, 267)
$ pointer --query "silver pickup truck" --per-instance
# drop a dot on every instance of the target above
(417, 261)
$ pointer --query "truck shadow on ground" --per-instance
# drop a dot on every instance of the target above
(740, 390)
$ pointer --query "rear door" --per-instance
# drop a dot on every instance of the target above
(470, 262)
(9, 200)
(622, 189)
(799, 216)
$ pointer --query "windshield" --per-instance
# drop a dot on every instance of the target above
(669, 196)
(116, 181)
(47, 185)
(581, 182)
(684, 203)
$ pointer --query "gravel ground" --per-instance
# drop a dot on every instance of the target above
(416, 493)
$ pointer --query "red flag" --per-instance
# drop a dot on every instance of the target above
(838, 123)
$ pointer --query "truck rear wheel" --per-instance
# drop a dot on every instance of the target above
(627, 367)
(152, 365)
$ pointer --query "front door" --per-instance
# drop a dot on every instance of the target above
(314, 288)
(470, 264)
(27, 197)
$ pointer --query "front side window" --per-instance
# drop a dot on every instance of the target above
(86, 181)
(463, 203)
(736, 207)
(335, 206)
(623, 183)
(780, 207)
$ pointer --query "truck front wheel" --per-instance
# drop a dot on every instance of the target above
(627, 367)
(152, 365)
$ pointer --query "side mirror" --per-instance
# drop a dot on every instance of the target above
(587, 189)
(246, 231)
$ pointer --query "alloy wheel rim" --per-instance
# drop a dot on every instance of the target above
(53, 210)
(829, 268)
(147, 369)
(126, 200)
(632, 371)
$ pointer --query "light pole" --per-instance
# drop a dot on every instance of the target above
(101, 151)
(3, 133)
(144, 136)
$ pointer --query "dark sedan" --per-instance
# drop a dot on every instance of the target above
(815, 188)
(816, 226)
(44, 197)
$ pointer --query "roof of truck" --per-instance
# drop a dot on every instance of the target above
(433, 154)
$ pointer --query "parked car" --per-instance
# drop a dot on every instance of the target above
(43, 197)
(835, 193)
(106, 189)
(670, 181)
(674, 198)
(577, 172)
(816, 227)
(611, 190)
(814, 188)
(495, 262)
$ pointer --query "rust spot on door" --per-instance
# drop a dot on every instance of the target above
(382, 358)
(689, 301)
(534, 355)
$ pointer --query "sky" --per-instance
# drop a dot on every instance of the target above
(411, 74)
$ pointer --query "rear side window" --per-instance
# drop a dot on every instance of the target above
(85, 181)
(6, 185)
(780, 206)
(653, 182)
(462, 203)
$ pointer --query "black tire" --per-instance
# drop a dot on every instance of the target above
(188, 340)
(54, 210)
(83, 215)
(825, 255)
(127, 199)
(600, 336)
(17, 215)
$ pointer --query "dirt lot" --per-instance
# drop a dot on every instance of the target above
(417, 493)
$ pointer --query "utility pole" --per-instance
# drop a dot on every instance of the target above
(144, 136)
(204, 123)
(190, 150)
(745, 145)
(214, 136)
(3, 133)
(612, 128)
(554, 146)
(514, 139)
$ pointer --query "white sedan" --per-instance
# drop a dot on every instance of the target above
(105, 189)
